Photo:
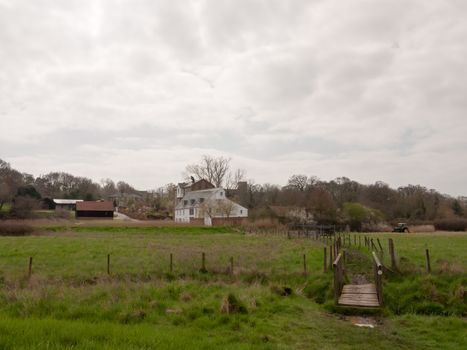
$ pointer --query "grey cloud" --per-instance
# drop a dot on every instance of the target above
(357, 88)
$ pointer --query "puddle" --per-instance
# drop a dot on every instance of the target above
(362, 321)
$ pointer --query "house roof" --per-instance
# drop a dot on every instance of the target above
(67, 201)
(95, 206)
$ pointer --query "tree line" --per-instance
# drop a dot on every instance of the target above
(336, 201)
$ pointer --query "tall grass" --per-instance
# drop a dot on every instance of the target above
(71, 302)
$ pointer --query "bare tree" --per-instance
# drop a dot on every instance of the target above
(225, 207)
(208, 208)
(213, 169)
(233, 178)
(10, 181)
(298, 182)
(108, 188)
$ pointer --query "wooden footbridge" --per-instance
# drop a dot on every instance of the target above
(358, 295)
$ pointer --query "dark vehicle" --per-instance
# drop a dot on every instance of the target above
(401, 227)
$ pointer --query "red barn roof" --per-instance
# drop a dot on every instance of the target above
(95, 206)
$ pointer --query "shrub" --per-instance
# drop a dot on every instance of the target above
(451, 225)
(231, 305)
(15, 229)
(281, 290)
(23, 206)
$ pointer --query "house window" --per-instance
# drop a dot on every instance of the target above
(192, 201)
(201, 200)
(222, 193)
(192, 212)
(185, 202)
(241, 211)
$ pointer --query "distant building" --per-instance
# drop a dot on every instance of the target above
(202, 202)
(66, 204)
(95, 209)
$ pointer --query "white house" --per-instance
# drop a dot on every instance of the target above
(201, 200)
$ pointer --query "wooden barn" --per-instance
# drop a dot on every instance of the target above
(95, 209)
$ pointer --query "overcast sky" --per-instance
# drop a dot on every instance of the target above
(135, 90)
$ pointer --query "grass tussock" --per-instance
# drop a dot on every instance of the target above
(12, 228)
(427, 295)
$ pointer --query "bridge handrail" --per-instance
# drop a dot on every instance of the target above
(338, 267)
(378, 270)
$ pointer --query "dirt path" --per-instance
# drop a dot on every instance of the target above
(123, 217)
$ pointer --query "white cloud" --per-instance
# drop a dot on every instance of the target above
(135, 90)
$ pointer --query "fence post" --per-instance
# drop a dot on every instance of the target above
(359, 241)
(392, 254)
(108, 264)
(373, 245)
(171, 262)
(231, 266)
(379, 243)
(304, 264)
(428, 265)
(30, 267)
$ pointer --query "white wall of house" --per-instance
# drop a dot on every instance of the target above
(188, 206)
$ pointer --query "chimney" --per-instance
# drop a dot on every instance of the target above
(242, 191)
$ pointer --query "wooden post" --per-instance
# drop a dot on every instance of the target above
(325, 266)
(30, 267)
(373, 245)
(108, 264)
(378, 270)
(428, 265)
(379, 243)
(355, 240)
(304, 264)
(171, 263)
(392, 254)
(338, 277)
(231, 266)
(359, 241)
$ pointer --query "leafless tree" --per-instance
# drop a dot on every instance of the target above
(225, 207)
(233, 178)
(208, 208)
(298, 182)
(213, 169)
(108, 188)
(10, 181)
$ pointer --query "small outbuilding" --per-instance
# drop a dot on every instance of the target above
(95, 209)
(66, 204)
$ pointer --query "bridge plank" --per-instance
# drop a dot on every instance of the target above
(363, 295)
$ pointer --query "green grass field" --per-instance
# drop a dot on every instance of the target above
(71, 302)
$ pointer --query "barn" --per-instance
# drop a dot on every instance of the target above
(95, 209)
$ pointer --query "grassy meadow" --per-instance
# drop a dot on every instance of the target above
(70, 301)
